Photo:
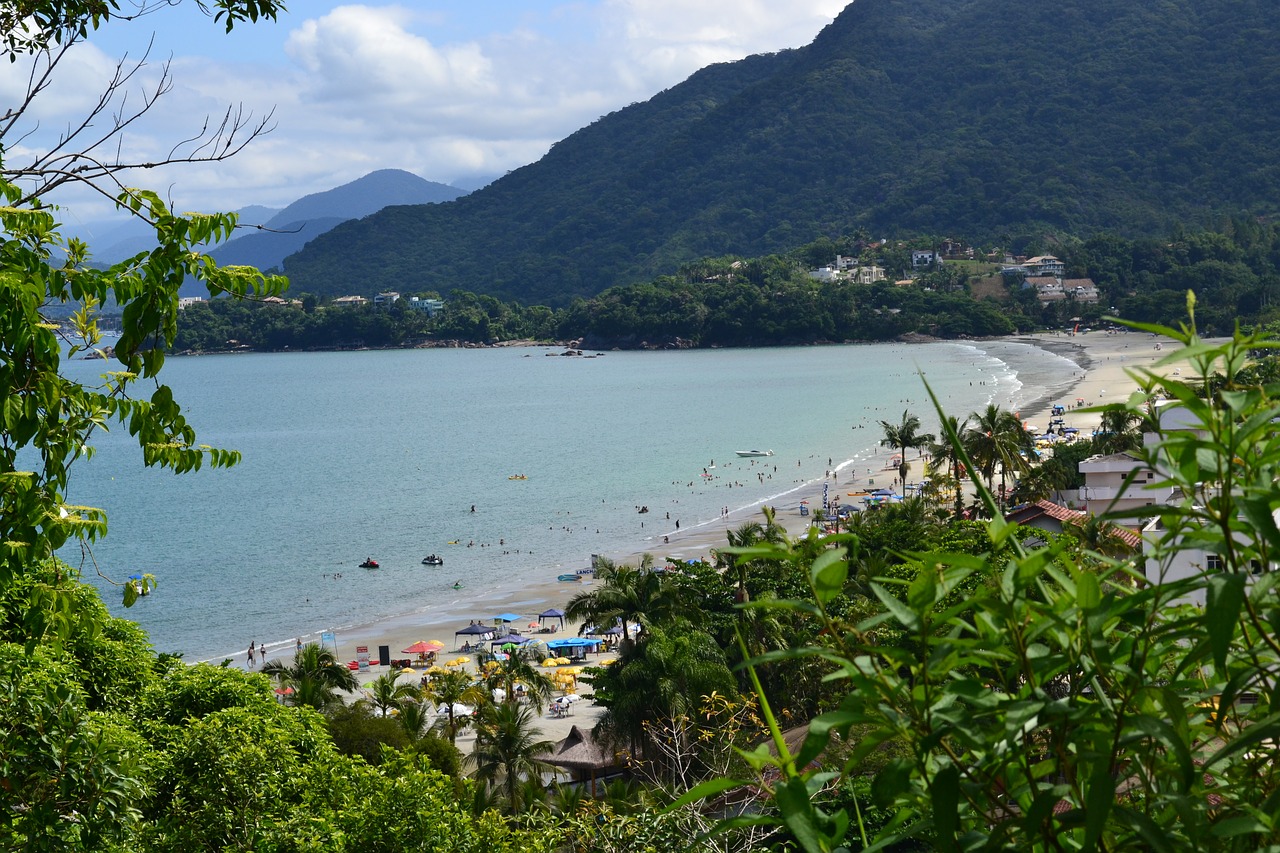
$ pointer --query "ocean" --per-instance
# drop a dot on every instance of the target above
(384, 454)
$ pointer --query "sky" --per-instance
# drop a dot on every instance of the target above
(453, 91)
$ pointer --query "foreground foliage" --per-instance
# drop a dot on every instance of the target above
(1067, 704)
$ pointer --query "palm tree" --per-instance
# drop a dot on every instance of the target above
(415, 718)
(749, 534)
(386, 695)
(903, 436)
(998, 440)
(507, 748)
(663, 678)
(944, 453)
(627, 594)
(450, 689)
(516, 669)
(316, 676)
(1120, 430)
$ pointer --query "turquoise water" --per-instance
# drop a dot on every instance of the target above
(383, 454)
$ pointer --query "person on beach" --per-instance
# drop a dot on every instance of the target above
(249, 659)
(298, 645)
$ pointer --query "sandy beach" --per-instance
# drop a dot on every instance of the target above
(1101, 378)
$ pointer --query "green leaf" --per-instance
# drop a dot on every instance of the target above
(828, 573)
(1222, 612)
(944, 793)
(905, 615)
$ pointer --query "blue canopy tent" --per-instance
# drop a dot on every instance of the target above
(508, 617)
(572, 642)
(553, 613)
(473, 630)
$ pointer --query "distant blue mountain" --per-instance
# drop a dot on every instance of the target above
(310, 216)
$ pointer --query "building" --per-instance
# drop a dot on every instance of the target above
(1045, 265)
(185, 301)
(1081, 289)
(924, 258)
(430, 307)
(386, 300)
(349, 302)
(1105, 488)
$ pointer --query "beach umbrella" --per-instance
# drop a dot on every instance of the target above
(423, 647)
(408, 670)
(549, 662)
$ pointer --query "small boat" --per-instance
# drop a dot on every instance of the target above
(517, 477)
(748, 454)
(433, 560)
(369, 563)
(569, 578)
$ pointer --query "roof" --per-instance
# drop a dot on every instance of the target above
(581, 751)
(1065, 516)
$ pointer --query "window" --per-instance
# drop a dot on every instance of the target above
(1213, 562)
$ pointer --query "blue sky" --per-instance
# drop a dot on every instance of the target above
(450, 90)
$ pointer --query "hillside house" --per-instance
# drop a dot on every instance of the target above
(921, 258)
(1048, 289)
(1045, 265)
(349, 302)
(1081, 289)
(430, 307)
(386, 300)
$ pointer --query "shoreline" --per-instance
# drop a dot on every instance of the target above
(1100, 361)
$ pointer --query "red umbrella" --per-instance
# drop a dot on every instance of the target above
(423, 647)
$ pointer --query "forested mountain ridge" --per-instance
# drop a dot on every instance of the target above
(982, 117)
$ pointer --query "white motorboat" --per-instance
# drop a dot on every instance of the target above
(746, 454)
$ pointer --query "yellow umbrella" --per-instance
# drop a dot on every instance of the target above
(549, 662)
(436, 670)
(608, 662)
(408, 670)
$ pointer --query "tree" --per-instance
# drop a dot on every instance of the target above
(49, 297)
(47, 415)
(1120, 429)
(450, 689)
(507, 749)
(627, 594)
(947, 453)
(516, 669)
(997, 440)
(660, 679)
(903, 436)
(386, 695)
(315, 677)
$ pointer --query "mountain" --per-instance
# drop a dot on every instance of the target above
(986, 119)
(288, 230)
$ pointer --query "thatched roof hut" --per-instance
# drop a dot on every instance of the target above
(584, 757)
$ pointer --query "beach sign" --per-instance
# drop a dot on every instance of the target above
(362, 657)
(328, 638)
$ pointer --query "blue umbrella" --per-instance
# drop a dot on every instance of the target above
(509, 617)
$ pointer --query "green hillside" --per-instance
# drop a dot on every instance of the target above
(986, 118)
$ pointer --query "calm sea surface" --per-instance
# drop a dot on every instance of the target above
(383, 454)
